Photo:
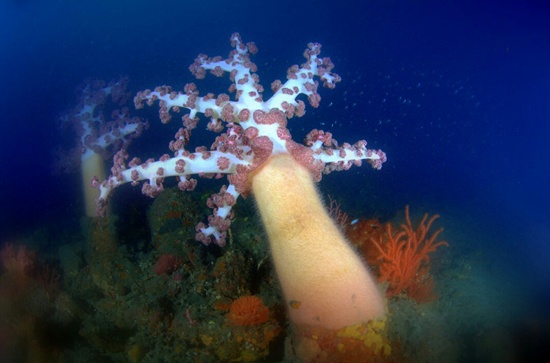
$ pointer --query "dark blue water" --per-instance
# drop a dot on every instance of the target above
(455, 92)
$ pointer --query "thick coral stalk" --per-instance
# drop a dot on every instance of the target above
(324, 281)
(325, 284)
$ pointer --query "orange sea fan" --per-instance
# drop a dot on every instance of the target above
(404, 260)
(248, 311)
(17, 260)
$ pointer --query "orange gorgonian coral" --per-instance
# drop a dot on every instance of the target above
(404, 260)
(248, 311)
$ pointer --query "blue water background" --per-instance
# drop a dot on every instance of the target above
(457, 93)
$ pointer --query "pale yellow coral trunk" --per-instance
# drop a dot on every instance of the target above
(324, 282)
(91, 166)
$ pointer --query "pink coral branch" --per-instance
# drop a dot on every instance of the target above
(96, 134)
(251, 131)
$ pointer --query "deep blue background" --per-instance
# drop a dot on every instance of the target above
(456, 92)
